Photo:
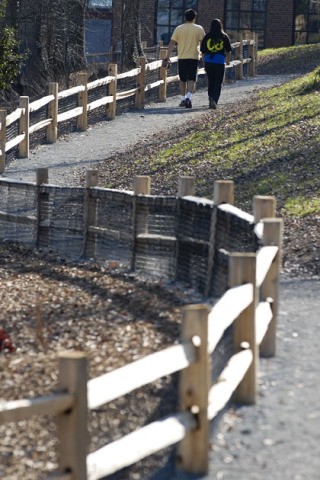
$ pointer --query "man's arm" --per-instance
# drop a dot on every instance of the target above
(171, 46)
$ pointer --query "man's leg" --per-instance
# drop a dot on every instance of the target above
(183, 88)
(191, 86)
(192, 77)
(183, 81)
(183, 91)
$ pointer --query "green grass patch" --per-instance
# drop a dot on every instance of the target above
(302, 206)
(282, 54)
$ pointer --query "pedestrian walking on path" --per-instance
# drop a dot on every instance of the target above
(188, 37)
(216, 49)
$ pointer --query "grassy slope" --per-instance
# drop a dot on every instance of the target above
(269, 146)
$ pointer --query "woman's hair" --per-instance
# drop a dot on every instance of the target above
(216, 28)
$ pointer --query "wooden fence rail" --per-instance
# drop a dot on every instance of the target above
(21, 116)
(250, 305)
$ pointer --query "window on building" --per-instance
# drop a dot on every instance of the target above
(170, 14)
(246, 16)
(307, 22)
(97, 39)
(99, 4)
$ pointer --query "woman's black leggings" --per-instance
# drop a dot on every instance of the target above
(215, 73)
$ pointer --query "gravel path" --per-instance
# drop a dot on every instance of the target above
(73, 154)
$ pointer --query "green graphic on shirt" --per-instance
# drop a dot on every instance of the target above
(216, 47)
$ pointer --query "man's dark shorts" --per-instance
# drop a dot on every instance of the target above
(188, 69)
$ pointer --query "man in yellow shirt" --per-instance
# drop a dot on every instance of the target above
(188, 36)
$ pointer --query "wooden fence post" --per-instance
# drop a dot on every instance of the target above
(223, 192)
(112, 107)
(272, 235)
(242, 269)
(42, 210)
(255, 51)
(163, 77)
(52, 129)
(193, 450)
(252, 56)
(3, 131)
(141, 82)
(89, 215)
(141, 186)
(24, 127)
(240, 68)
(82, 120)
(186, 186)
(211, 251)
(264, 207)
(72, 424)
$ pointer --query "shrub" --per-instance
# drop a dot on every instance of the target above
(10, 58)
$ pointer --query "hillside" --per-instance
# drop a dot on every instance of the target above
(268, 145)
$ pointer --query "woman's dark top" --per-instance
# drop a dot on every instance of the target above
(215, 49)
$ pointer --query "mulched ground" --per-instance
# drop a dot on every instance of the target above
(50, 306)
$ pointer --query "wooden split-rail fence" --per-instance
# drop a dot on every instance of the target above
(45, 114)
(250, 304)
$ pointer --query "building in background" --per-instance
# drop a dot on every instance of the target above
(279, 23)
(98, 30)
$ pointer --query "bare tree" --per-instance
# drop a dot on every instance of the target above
(51, 33)
(130, 33)
(317, 5)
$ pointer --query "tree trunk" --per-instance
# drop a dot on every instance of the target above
(131, 34)
(52, 34)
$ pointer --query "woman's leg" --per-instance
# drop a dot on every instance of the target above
(218, 75)
(209, 68)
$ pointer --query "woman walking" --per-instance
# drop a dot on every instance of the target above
(216, 51)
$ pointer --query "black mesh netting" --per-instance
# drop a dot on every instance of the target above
(124, 85)
(61, 219)
(65, 105)
(18, 205)
(194, 223)
(186, 239)
(152, 94)
(155, 235)
(114, 238)
(100, 113)
(12, 131)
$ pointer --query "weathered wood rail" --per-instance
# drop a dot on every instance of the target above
(250, 304)
(22, 126)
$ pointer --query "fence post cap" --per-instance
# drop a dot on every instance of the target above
(72, 355)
